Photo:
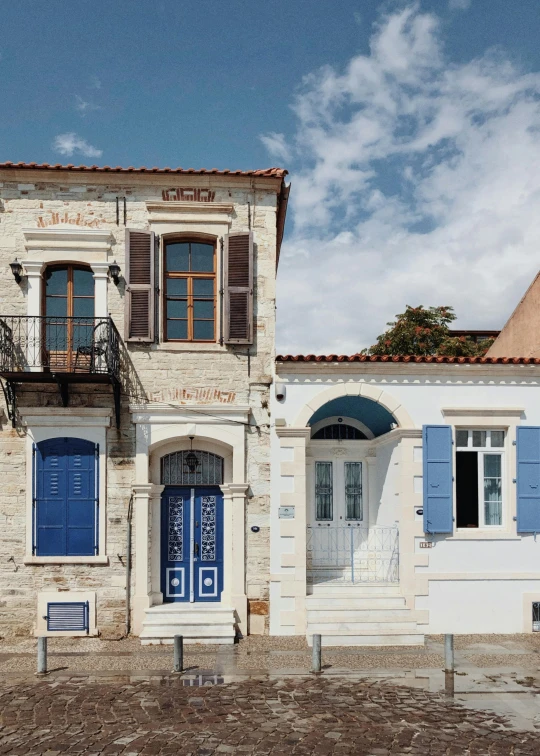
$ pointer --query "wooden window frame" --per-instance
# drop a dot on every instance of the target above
(190, 276)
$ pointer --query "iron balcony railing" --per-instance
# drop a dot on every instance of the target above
(61, 345)
(353, 553)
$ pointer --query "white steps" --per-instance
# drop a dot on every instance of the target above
(197, 623)
(361, 615)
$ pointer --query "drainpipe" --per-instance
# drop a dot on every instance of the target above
(128, 567)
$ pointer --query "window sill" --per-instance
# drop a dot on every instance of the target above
(188, 346)
(30, 559)
(479, 534)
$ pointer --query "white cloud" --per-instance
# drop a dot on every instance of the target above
(459, 4)
(276, 145)
(95, 83)
(419, 185)
(85, 106)
(70, 143)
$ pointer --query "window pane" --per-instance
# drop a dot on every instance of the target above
(177, 329)
(203, 329)
(492, 465)
(177, 308)
(353, 490)
(323, 491)
(497, 438)
(56, 307)
(177, 286)
(479, 438)
(177, 255)
(462, 437)
(203, 287)
(203, 309)
(202, 257)
(492, 489)
(83, 308)
(83, 283)
(56, 282)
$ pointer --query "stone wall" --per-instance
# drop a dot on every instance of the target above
(174, 374)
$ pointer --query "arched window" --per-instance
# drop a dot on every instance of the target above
(68, 307)
(203, 469)
(190, 290)
(338, 432)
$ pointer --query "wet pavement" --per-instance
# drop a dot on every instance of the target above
(291, 715)
(116, 697)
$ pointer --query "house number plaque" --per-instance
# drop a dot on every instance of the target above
(426, 544)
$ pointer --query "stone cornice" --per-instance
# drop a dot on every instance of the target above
(199, 414)
(66, 416)
(67, 237)
(292, 432)
(190, 212)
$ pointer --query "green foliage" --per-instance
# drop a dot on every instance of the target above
(425, 331)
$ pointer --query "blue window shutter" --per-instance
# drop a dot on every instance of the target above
(528, 479)
(66, 497)
(437, 462)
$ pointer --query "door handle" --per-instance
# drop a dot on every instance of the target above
(196, 549)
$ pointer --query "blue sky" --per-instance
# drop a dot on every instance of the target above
(377, 220)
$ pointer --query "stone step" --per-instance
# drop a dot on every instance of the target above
(361, 627)
(330, 603)
(346, 589)
(195, 622)
(388, 639)
(353, 615)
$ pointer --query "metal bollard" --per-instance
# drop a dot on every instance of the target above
(178, 653)
(449, 665)
(316, 655)
(42, 655)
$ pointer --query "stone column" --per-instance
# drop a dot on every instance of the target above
(292, 579)
(34, 278)
(371, 491)
(234, 548)
(142, 496)
(156, 593)
(101, 282)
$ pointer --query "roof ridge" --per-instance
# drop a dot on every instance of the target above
(406, 358)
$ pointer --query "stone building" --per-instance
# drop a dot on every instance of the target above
(136, 355)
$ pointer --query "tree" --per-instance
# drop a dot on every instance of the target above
(425, 331)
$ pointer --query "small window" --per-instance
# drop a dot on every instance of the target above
(190, 291)
(536, 616)
(324, 487)
(479, 478)
(338, 432)
(353, 491)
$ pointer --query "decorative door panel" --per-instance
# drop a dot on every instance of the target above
(192, 544)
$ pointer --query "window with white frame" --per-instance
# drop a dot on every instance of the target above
(479, 478)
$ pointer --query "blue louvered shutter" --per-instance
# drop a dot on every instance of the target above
(66, 497)
(528, 479)
(437, 462)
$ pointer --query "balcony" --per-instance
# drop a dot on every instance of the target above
(59, 350)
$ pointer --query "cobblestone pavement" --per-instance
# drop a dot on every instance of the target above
(302, 715)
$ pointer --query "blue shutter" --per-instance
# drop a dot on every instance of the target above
(437, 461)
(528, 479)
(66, 497)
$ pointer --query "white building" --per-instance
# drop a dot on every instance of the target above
(405, 497)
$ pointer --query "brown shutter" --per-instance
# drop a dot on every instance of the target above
(238, 285)
(139, 286)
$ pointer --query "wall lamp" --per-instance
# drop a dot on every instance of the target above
(114, 272)
(17, 270)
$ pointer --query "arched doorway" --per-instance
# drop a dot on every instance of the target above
(345, 540)
(192, 526)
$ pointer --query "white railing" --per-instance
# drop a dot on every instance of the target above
(353, 553)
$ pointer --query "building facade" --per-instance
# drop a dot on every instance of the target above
(405, 497)
(137, 336)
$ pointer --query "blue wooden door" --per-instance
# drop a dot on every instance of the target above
(66, 498)
(192, 544)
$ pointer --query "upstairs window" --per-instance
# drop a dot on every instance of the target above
(190, 291)
(338, 432)
(479, 478)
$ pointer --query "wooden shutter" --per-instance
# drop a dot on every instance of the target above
(528, 479)
(238, 288)
(438, 489)
(139, 286)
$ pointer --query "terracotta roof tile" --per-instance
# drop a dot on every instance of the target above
(269, 172)
(408, 358)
